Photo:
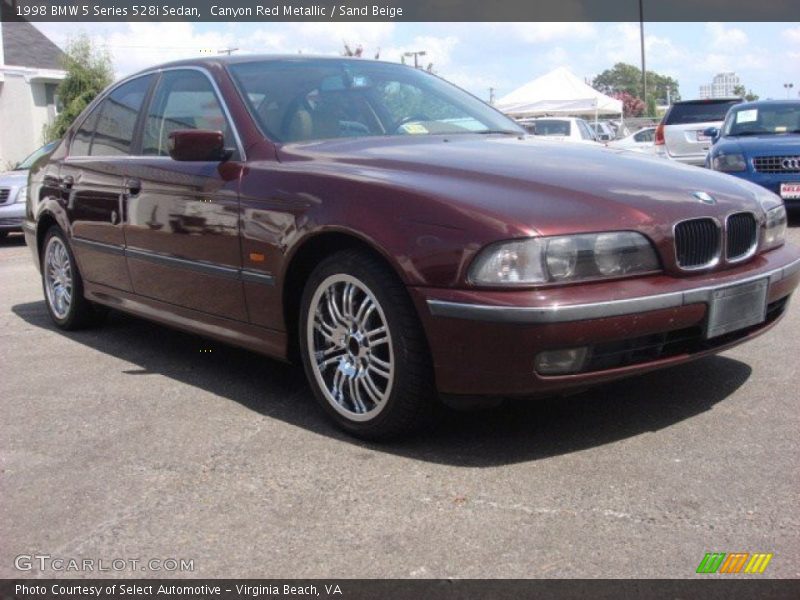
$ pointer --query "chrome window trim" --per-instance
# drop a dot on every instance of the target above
(206, 268)
(595, 310)
(720, 243)
(158, 71)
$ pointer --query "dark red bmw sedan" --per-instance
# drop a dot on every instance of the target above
(398, 236)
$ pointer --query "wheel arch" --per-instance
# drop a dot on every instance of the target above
(302, 261)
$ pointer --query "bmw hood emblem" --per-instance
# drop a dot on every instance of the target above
(704, 197)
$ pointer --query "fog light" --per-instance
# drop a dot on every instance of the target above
(560, 362)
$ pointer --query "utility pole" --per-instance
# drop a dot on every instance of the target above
(641, 41)
(416, 56)
(227, 51)
(491, 95)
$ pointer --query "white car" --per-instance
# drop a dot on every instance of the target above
(566, 129)
(640, 141)
(680, 135)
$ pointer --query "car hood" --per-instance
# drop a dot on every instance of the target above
(14, 178)
(760, 144)
(527, 185)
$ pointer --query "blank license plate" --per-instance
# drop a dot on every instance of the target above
(737, 307)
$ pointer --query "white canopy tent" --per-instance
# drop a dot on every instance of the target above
(558, 92)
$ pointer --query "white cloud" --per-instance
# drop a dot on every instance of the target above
(538, 33)
(726, 37)
(791, 35)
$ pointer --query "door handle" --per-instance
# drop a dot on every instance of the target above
(133, 187)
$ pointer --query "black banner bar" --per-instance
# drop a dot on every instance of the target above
(399, 589)
(400, 10)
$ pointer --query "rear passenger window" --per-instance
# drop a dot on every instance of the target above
(82, 140)
(183, 100)
(109, 129)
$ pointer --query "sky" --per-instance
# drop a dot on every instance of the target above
(477, 56)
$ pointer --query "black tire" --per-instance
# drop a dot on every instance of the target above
(410, 402)
(79, 313)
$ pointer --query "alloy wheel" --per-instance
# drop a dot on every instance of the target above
(350, 347)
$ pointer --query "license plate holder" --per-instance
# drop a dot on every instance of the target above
(790, 191)
(737, 307)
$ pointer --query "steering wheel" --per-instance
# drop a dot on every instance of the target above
(409, 119)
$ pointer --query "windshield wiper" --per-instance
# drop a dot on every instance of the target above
(499, 131)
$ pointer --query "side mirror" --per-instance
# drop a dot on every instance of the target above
(711, 132)
(198, 145)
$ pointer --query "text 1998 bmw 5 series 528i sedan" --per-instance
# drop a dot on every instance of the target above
(402, 239)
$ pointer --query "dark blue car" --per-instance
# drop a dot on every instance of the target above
(760, 142)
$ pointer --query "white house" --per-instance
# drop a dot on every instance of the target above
(30, 70)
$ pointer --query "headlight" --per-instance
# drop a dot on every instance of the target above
(564, 259)
(775, 227)
(729, 163)
(22, 194)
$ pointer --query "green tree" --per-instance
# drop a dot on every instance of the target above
(89, 72)
(628, 78)
(745, 94)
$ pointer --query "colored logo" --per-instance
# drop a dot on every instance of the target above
(734, 562)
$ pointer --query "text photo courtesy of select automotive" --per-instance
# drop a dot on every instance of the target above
(360, 300)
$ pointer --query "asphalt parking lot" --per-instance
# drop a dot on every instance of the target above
(136, 442)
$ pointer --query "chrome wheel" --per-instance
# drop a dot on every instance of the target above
(350, 347)
(58, 277)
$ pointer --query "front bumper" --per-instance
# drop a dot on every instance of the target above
(11, 216)
(485, 342)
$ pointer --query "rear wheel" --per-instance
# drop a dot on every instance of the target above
(63, 286)
(363, 348)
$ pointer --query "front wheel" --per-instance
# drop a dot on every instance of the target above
(363, 348)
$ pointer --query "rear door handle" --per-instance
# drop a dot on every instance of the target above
(133, 187)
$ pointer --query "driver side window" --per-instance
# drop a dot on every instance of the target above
(183, 99)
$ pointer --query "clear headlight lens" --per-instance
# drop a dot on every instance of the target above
(729, 163)
(775, 231)
(564, 259)
(22, 194)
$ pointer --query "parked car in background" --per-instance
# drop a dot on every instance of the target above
(641, 141)
(565, 129)
(760, 142)
(603, 131)
(13, 192)
(332, 212)
(681, 134)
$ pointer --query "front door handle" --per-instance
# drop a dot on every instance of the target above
(133, 187)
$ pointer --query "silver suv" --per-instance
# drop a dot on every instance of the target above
(680, 136)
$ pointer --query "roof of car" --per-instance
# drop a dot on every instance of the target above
(202, 61)
(768, 102)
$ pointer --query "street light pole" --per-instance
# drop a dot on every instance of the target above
(641, 41)
(416, 56)
(788, 87)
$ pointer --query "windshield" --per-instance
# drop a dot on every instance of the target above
(551, 127)
(764, 119)
(703, 111)
(310, 99)
(32, 158)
